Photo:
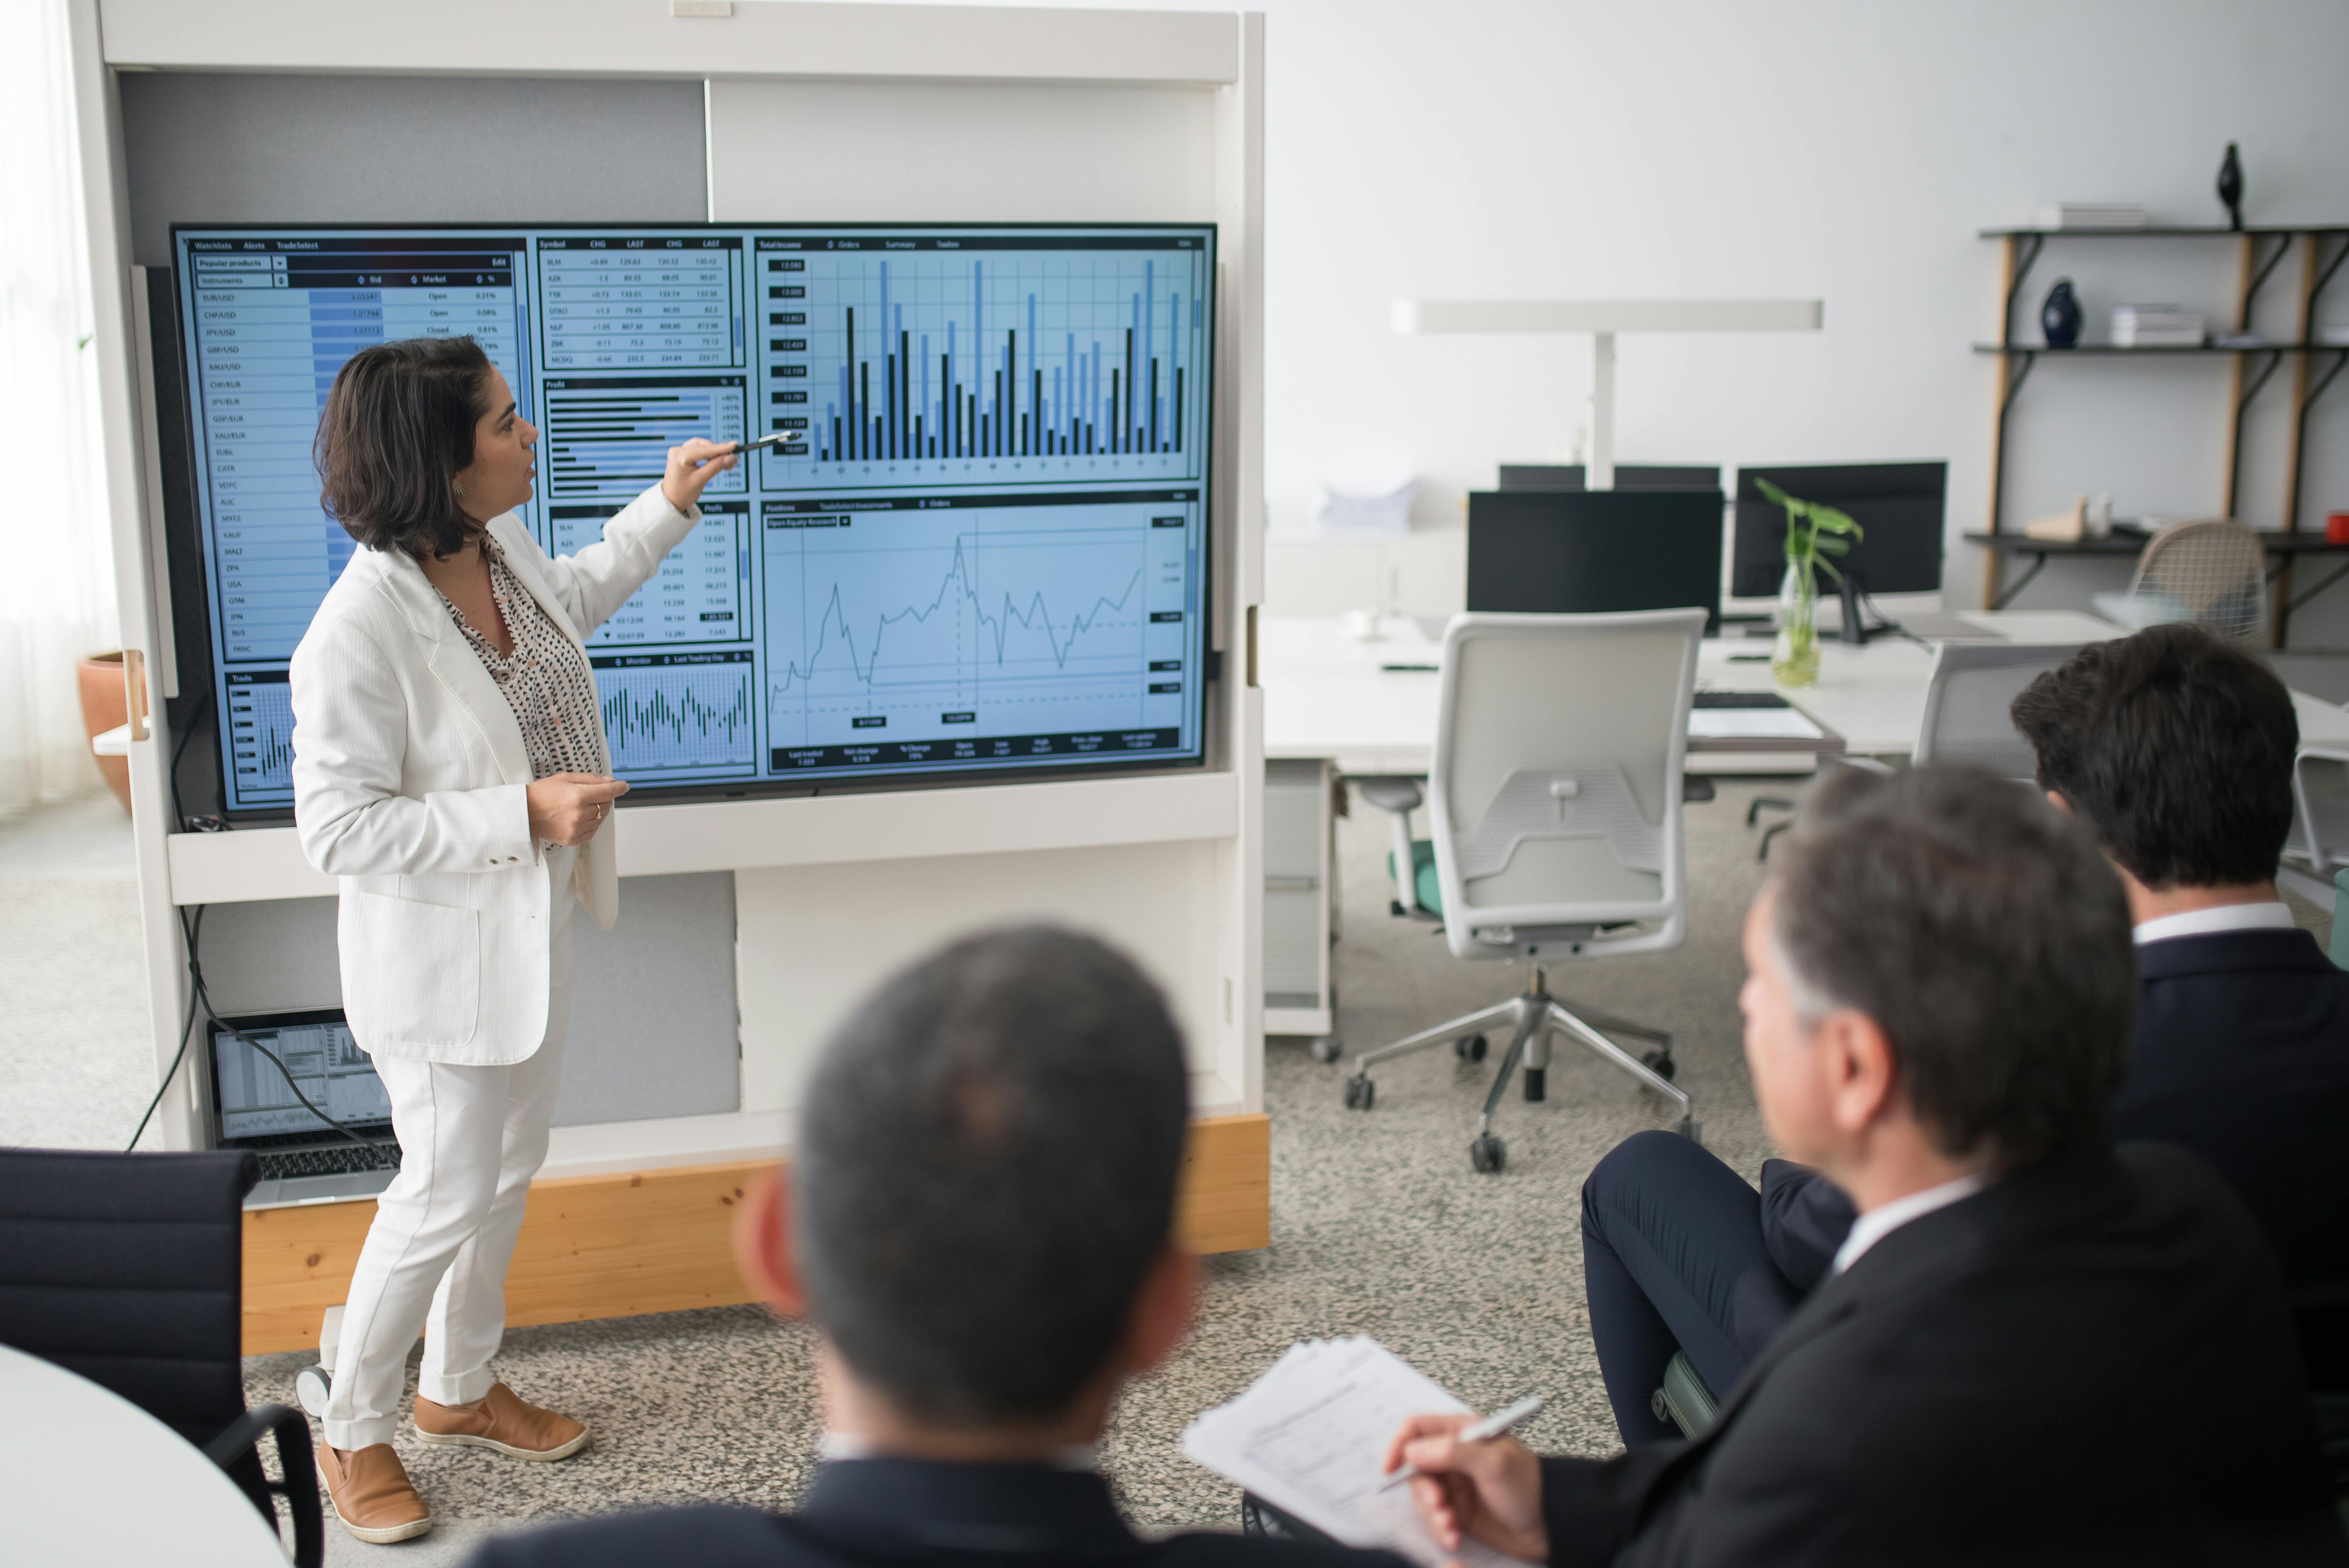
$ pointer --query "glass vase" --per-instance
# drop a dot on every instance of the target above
(1795, 658)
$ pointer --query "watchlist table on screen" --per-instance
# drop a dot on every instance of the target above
(986, 550)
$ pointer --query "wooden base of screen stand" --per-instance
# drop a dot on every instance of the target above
(662, 1240)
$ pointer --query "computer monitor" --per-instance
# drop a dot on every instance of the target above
(255, 1107)
(1586, 552)
(1898, 507)
(1627, 476)
(987, 553)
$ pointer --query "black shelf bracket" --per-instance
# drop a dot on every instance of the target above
(2018, 373)
(2261, 272)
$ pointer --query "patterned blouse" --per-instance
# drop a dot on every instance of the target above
(546, 681)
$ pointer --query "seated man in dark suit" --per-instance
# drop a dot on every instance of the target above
(2031, 1347)
(2175, 749)
(980, 1215)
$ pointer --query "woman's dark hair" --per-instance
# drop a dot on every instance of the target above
(2176, 746)
(397, 430)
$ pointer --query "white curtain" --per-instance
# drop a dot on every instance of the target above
(57, 573)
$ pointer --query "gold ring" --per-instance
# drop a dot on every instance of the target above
(599, 811)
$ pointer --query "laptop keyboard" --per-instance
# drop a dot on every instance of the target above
(328, 1159)
(1739, 699)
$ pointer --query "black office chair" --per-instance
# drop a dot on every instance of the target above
(129, 1270)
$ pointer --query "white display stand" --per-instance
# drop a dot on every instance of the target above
(833, 112)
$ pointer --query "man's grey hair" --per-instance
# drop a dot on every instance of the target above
(1985, 934)
(985, 1173)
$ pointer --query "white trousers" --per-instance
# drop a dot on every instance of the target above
(471, 1139)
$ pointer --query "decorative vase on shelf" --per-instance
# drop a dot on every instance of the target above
(2230, 186)
(1795, 657)
(2059, 316)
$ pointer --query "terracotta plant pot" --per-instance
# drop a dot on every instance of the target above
(104, 706)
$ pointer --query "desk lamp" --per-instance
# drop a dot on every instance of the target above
(1602, 319)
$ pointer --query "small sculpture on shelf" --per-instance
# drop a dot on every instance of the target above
(2059, 316)
(2230, 186)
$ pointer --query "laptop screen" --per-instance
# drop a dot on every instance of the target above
(253, 1100)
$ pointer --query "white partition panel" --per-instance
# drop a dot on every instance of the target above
(814, 112)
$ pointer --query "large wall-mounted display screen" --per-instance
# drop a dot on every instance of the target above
(990, 553)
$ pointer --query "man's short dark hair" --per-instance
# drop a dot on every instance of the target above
(986, 1173)
(2176, 746)
(1985, 936)
(396, 430)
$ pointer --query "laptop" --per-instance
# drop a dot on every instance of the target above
(303, 1159)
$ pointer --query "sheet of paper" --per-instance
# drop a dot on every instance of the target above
(1752, 723)
(1309, 1435)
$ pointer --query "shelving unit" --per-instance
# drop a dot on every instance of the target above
(2314, 365)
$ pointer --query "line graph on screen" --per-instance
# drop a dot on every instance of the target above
(940, 629)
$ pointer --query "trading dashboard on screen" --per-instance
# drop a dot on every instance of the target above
(990, 553)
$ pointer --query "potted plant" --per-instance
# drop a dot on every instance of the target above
(1814, 532)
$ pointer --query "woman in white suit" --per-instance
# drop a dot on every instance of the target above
(450, 768)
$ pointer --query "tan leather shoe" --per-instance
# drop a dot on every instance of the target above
(373, 1496)
(503, 1421)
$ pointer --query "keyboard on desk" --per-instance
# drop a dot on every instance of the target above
(327, 1160)
(1739, 699)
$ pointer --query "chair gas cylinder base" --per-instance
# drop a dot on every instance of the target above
(1531, 1020)
(1554, 797)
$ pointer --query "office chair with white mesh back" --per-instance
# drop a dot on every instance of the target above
(1554, 807)
(1966, 702)
(2212, 571)
(1966, 718)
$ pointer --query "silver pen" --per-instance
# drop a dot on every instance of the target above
(780, 438)
(1492, 1426)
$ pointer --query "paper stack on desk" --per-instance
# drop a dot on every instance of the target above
(1309, 1437)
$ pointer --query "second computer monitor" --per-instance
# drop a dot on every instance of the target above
(1627, 476)
(1587, 551)
(1898, 506)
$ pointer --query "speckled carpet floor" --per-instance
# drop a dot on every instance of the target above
(1379, 1226)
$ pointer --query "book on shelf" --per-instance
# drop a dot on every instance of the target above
(2092, 215)
(2157, 326)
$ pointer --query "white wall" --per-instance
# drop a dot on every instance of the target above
(1846, 149)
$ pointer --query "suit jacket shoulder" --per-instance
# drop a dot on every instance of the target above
(2033, 1375)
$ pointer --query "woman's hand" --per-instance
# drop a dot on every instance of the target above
(692, 466)
(567, 808)
(1488, 1492)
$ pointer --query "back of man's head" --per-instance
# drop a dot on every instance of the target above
(1984, 934)
(2176, 746)
(986, 1171)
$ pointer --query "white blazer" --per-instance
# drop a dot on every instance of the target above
(409, 777)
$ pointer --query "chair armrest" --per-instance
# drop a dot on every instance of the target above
(300, 1487)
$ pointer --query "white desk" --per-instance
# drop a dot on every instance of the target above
(1327, 696)
(1331, 708)
(86, 1476)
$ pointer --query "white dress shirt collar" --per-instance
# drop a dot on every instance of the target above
(1883, 1220)
(838, 1445)
(2268, 915)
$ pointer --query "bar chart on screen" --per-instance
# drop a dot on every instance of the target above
(676, 717)
(611, 436)
(929, 361)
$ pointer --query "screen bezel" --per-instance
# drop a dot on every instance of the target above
(1202, 707)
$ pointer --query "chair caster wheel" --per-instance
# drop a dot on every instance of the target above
(1537, 1084)
(1470, 1048)
(1661, 1063)
(1690, 1128)
(311, 1388)
(1360, 1092)
(1488, 1154)
(1325, 1049)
